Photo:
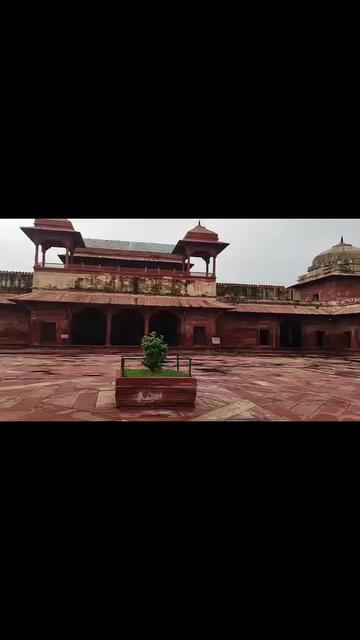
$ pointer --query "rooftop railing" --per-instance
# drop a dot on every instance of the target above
(51, 265)
(135, 271)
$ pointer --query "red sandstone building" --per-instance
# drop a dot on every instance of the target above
(107, 292)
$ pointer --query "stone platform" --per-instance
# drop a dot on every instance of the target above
(81, 387)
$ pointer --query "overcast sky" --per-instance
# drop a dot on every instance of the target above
(261, 251)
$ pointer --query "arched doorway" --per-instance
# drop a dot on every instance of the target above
(166, 324)
(127, 328)
(290, 334)
(88, 327)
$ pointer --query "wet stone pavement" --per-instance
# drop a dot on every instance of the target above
(64, 387)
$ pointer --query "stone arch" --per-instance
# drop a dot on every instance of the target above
(88, 327)
(127, 328)
(167, 324)
(291, 333)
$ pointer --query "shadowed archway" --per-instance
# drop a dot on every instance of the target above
(166, 324)
(88, 327)
(290, 334)
(127, 328)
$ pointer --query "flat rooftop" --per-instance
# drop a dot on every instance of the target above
(125, 245)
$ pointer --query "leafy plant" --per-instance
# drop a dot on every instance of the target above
(155, 351)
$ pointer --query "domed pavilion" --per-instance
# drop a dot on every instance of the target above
(334, 274)
(341, 258)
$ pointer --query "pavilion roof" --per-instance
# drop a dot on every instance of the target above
(4, 298)
(297, 309)
(122, 299)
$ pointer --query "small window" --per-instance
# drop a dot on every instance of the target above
(316, 297)
(347, 335)
(320, 338)
(264, 336)
(199, 335)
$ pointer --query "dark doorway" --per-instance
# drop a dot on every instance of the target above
(166, 324)
(88, 327)
(200, 335)
(127, 328)
(347, 335)
(320, 338)
(48, 333)
(290, 334)
(264, 337)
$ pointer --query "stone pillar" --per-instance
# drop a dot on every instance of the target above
(43, 256)
(68, 322)
(36, 254)
(214, 266)
(67, 258)
(35, 331)
(183, 329)
(108, 327)
(146, 322)
(207, 260)
(273, 331)
(276, 336)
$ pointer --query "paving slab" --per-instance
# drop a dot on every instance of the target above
(55, 387)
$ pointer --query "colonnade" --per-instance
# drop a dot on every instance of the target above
(133, 325)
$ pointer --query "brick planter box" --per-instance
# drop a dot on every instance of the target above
(155, 392)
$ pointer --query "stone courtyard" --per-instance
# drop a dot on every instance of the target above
(80, 387)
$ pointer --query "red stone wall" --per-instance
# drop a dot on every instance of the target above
(236, 330)
(59, 315)
(14, 325)
(334, 330)
(193, 318)
(243, 330)
(331, 289)
(227, 292)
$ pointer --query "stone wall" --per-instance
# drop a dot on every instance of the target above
(51, 280)
(198, 318)
(228, 292)
(333, 289)
(55, 313)
(14, 325)
(334, 332)
(14, 281)
(243, 330)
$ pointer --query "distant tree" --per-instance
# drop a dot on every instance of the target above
(155, 351)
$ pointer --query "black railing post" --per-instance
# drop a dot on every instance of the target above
(190, 367)
(122, 366)
(177, 363)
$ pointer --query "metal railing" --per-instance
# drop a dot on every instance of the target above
(176, 359)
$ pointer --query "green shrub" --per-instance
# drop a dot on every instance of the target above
(155, 351)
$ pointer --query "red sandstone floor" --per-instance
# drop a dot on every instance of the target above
(230, 387)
